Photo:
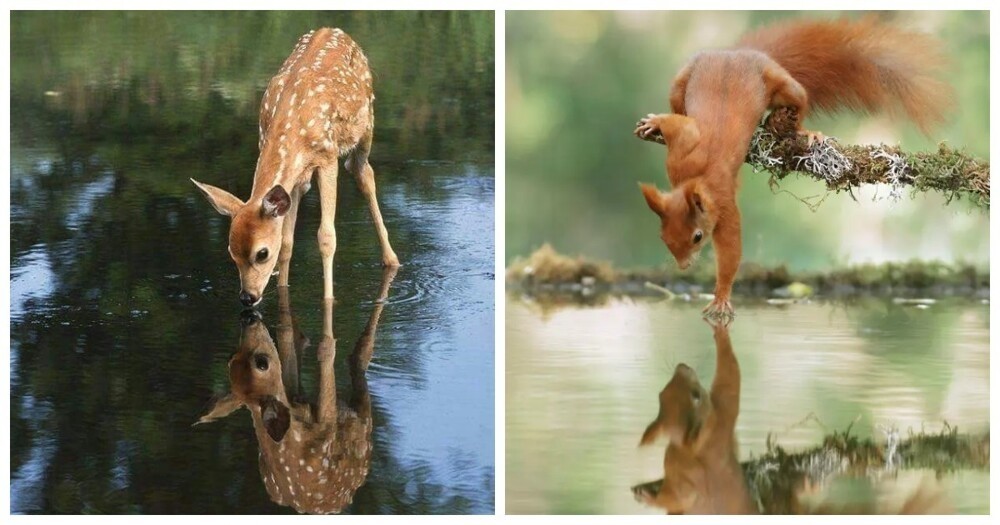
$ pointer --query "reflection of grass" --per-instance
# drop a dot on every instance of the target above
(777, 478)
(548, 274)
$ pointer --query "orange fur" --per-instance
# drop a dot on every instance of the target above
(719, 97)
(701, 470)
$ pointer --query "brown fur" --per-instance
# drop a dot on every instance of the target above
(701, 471)
(719, 97)
(318, 108)
(312, 457)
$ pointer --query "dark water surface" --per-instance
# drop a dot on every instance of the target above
(583, 384)
(124, 309)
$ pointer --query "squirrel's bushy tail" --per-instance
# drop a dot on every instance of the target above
(862, 65)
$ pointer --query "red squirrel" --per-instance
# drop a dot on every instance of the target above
(720, 96)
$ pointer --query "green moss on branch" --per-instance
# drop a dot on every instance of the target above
(776, 148)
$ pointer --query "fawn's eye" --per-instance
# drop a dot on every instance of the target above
(262, 255)
(696, 396)
(697, 236)
(260, 362)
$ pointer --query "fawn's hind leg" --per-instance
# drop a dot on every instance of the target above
(327, 236)
(357, 164)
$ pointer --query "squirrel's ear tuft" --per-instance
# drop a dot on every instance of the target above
(654, 199)
(652, 432)
(696, 199)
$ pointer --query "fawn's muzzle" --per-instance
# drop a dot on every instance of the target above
(248, 299)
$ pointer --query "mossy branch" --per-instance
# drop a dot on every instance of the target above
(776, 477)
(776, 148)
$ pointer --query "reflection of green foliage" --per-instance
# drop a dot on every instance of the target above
(578, 81)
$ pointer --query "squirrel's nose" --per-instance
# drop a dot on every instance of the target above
(247, 298)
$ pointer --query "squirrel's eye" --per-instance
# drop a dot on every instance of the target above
(697, 236)
(262, 255)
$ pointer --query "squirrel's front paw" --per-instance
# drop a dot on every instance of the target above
(720, 308)
(718, 323)
(648, 129)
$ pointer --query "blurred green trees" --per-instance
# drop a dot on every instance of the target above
(576, 82)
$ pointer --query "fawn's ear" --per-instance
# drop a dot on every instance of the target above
(652, 432)
(276, 417)
(224, 202)
(276, 202)
(654, 198)
(222, 406)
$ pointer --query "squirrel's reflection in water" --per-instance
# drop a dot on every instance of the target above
(702, 474)
(313, 457)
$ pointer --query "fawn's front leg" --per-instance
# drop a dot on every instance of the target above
(327, 235)
(326, 354)
(728, 251)
(288, 237)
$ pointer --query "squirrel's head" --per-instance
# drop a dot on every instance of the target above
(684, 408)
(686, 222)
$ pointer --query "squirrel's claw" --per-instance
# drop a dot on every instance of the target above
(812, 137)
(718, 322)
(646, 129)
(720, 309)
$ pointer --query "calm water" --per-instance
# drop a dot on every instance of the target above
(583, 383)
(124, 309)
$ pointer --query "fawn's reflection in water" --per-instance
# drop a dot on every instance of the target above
(702, 474)
(313, 457)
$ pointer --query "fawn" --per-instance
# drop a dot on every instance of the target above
(317, 109)
(312, 458)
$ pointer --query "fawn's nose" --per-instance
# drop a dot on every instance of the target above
(247, 298)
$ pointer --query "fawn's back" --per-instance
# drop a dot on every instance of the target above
(319, 103)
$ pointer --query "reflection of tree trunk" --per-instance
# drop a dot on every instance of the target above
(777, 477)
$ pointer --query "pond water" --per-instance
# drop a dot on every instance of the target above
(124, 307)
(583, 384)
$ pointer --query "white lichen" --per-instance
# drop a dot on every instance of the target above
(897, 171)
(761, 156)
(825, 160)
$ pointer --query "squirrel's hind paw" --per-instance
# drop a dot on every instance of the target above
(812, 137)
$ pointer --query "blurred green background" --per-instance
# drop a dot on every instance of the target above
(576, 83)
